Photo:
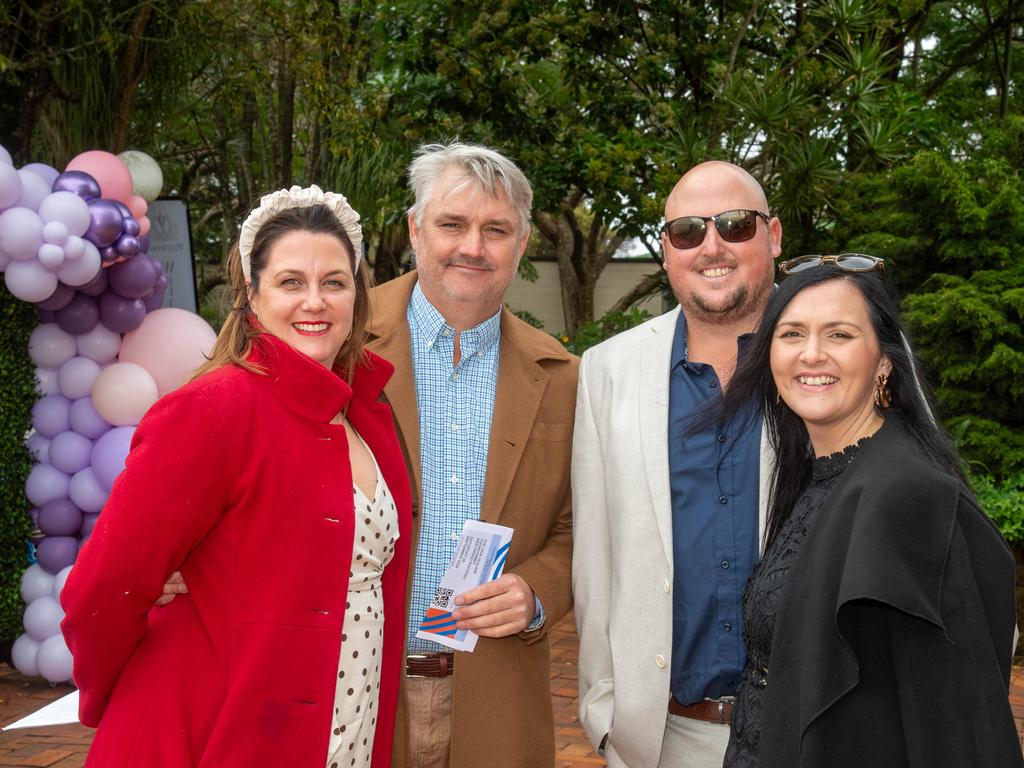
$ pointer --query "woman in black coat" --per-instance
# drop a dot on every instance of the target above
(880, 621)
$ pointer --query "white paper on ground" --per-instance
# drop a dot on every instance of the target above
(60, 712)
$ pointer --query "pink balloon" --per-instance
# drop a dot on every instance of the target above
(144, 225)
(171, 343)
(123, 392)
(114, 178)
(138, 206)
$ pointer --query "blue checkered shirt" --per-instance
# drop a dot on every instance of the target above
(455, 404)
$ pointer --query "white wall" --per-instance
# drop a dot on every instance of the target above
(543, 298)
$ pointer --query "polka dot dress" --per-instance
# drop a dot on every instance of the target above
(358, 684)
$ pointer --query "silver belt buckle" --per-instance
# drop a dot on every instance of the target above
(415, 656)
(721, 702)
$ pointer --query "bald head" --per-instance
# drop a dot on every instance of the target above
(713, 187)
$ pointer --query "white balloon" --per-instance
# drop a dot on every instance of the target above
(147, 178)
(60, 579)
(50, 256)
(24, 653)
(67, 208)
(79, 271)
(54, 659)
(35, 582)
(5, 157)
(55, 232)
(30, 280)
(34, 190)
(100, 344)
(10, 185)
(43, 617)
(50, 346)
(73, 246)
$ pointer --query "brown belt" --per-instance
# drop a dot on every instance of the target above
(429, 664)
(709, 710)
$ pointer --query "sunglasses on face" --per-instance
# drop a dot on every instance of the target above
(735, 226)
(848, 262)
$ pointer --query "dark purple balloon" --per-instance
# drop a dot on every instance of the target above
(127, 245)
(161, 282)
(96, 286)
(80, 315)
(88, 523)
(144, 243)
(60, 517)
(79, 182)
(120, 314)
(109, 254)
(46, 315)
(135, 278)
(59, 299)
(56, 552)
(124, 209)
(106, 223)
(155, 300)
(131, 227)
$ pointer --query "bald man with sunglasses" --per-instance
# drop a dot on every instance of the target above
(668, 524)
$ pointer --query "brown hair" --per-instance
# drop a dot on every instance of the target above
(236, 337)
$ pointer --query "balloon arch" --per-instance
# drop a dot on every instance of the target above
(74, 244)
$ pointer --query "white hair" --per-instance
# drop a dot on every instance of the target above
(479, 167)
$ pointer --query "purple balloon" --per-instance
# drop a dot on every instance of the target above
(109, 454)
(46, 483)
(70, 452)
(59, 299)
(46, 315)
(106, 223)
(60, 518)
(43, 171)
(86, 492)
(109, 254)
(85, 420)
(155, 300)
(131, 227)
(135, 278)
(56, 552)
(80, 315)
(88, 523)
(38, 446)
(127, 245)
(144, 243)
(120, 314)
(50, 415)
(96, 286)
(124, 209)
(79, 182)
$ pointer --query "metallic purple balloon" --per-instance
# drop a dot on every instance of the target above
(79, 182)
(135, 278)
(155, 300)
(59, 518)
(127, 245)
(56, 552)
(124, 209)
(106, 223)
(144, 243)
(80, 315)
(120, 314)
(131, 227)
(109, 254)
(96, 286)
(59, 299)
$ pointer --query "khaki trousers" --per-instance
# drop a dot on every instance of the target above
(430, 720)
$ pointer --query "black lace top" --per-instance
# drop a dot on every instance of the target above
(760, 600)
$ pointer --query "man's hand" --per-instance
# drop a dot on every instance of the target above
(175, 586)
(498, 608)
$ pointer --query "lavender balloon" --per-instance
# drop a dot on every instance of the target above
(38, 446)
(80, 315)
(46, 483)
(53, 554)
(109, 454)
(46, 381)
(50, 415)
(86, 492)
(60, 518)
(35, 582)
(85, 420)
(120, 314)
(97, 285)
(100, 344)
(33, 189)
(107, 222)
(75, 378)
(79, 182)
(24, 653)
(70, 452)
(135, 278)
(54, 659)
(88, 523)
(60, 298)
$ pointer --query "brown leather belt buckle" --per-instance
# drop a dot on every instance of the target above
(429, 664)
(709, 710)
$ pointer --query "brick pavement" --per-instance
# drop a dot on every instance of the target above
(65, 746)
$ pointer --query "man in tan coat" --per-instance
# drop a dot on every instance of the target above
(484, 407)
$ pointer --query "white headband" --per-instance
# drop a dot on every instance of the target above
(297, 197)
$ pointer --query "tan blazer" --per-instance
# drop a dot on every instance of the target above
(502, 715)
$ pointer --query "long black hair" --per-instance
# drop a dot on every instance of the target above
(753, 383)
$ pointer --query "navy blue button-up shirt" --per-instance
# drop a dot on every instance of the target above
(714, 482)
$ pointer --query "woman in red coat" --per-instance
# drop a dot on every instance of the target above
(275, 484)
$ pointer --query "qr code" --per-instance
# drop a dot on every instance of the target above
(442, 597)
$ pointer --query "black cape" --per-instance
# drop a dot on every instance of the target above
(893, 638)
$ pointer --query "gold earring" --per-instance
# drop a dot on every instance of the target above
(883, 397)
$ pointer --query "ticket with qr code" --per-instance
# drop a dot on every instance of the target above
(479, 557)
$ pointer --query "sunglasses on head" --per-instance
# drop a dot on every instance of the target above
(734, 226)
(848, 262)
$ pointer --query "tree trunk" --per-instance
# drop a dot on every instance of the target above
(285, 115)
(133, 69)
